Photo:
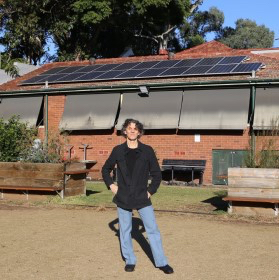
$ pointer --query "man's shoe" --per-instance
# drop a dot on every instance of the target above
(166, 269)
(129, 267)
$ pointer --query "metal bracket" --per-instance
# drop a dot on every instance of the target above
(276, 209)
(230, 207)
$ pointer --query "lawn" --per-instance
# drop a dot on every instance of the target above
(179, 198)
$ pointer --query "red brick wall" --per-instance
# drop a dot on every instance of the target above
(167, 144)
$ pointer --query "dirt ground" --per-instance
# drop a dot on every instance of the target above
(82, 244)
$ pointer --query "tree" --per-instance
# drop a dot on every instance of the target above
(22, 23)
(193, 32)
(85, 28)
(8, 64)
(247, 34)
(90, 28)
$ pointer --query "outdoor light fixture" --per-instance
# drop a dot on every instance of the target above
(144, 92)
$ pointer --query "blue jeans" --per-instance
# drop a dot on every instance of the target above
(153, 234)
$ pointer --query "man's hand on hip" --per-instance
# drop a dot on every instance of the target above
(114, 188)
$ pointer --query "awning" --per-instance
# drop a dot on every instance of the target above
(266, 108)
(90, 111)
(215, 109)
(27, 108)
(160, 110)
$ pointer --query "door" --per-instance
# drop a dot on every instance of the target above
(222, 160)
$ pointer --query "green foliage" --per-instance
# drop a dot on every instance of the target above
(52, 152)
(84, 28)
(8, 64)
(16, 139)
(18, 142)
(24, 26)
(199, 24)
(247, 34)
(266, 153)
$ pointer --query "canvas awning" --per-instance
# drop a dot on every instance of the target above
(27, 108)
(160, 110)
(266, 108)
(90, 111)
(215, 109)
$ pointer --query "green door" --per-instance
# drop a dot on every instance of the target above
(222, 160)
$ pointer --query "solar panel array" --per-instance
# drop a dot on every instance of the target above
(147, 69)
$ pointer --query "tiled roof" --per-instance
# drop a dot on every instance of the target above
(210, 49)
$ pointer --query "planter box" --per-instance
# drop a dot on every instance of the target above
(75, 184)
(39, 178)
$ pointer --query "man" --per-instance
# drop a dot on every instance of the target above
(135, 163)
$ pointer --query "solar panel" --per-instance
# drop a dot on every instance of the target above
(166, 64)
(232, 59)
(107, 67)
(70, 77)
(188, 62)
(146, 65)
(69, 70)
(90, 76)
(197, 70)
(44, 78)
(153, 72)
(209, 61)
(53, 78)
(87, 69)
(221, 69)
(247, 67)
(147, 69)
(175, 71)
(33, 80)
(55, 70)
(126, 66)
(110, 74)
(131, 73)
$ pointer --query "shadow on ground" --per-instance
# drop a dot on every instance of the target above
(89, 192)
(217, 201)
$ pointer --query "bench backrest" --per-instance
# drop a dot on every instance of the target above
(183, 164)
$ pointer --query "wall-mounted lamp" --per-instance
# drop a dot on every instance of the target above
(144, 92)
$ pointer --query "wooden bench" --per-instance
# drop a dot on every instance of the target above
(58, 189)
(232, 199)
(185, 165)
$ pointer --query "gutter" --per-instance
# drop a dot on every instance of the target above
(151, 86)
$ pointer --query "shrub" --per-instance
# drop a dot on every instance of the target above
(19, 142)
(266, 154)
(16, 139)
(52, 152)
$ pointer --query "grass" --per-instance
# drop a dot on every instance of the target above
(167, 198)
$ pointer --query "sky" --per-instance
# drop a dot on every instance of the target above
(262, 12)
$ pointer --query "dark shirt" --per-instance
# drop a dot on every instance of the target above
(131, 160)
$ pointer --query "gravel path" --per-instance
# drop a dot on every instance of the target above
(58, 243)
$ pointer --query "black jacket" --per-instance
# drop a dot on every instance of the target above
(132, 190)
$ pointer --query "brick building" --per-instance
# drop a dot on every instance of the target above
(203, 109)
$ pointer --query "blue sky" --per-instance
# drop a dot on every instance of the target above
(263, 12)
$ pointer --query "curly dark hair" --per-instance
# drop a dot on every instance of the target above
(138, 125)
